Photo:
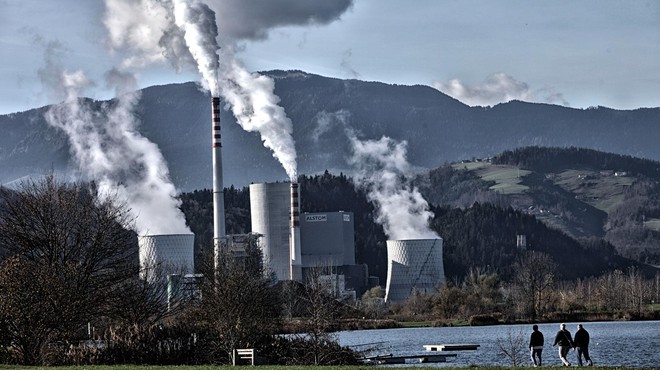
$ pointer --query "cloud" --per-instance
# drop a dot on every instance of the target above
(253, 20)
(498, 88)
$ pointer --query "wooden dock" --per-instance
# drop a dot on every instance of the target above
(451, 347)
(417, 359)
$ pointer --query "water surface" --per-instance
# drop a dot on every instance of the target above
(630, 344)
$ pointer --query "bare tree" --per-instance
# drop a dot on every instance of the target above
(320, 300)
(239, 303)
(534, 276)
(513, 347)
(70, 252)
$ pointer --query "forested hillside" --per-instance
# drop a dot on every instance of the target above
(583, 192)
(479, 236)
(437, 128)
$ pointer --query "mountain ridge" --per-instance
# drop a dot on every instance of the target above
(438, 129)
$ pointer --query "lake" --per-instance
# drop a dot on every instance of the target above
(630, 344)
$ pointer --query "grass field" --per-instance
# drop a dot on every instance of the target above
(507, 178)
(267, 367)
(602, 192)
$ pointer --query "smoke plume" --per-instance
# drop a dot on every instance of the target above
(382, 168)
(197, 22)
(109, 150)
(498, 88)
(255, 106)
(242, 20)
(132, 27)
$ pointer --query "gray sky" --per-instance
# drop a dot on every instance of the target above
(576, 53)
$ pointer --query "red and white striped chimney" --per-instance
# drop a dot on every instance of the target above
(294, 238)
(218, 189)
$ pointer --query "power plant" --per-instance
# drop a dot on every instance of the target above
(294, 245)
(413, 265)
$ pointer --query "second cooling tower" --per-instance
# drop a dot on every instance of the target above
(413, 265)
(161, 255)
(270, 205)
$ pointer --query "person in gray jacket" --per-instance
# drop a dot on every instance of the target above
(581, 342)
(563, 339)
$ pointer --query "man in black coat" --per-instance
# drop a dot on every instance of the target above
(581, 342)
(536, 345)
(563, 339)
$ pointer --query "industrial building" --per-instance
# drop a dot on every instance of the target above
(413, 265)
(269, 209)
(327, 240)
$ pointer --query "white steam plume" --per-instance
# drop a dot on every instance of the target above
(197, 22)
(498, 88)
(192, 23)
(255, 106)
(109, 150)
(381, 168)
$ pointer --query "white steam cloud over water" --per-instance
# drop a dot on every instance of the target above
(109, 150)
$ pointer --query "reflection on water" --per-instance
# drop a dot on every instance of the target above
(631, 344)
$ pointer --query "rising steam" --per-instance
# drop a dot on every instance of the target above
(381, 168)
(498, 88)
(255, 106)
(193, 24)
(109, 150)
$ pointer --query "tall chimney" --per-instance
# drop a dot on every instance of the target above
(294, 239)
(218, 194)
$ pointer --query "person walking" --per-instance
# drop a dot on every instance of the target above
(563, 339)
(581, 342)
(536, 346)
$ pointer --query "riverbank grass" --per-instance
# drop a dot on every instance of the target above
(269, 367)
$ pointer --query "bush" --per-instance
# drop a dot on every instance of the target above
(485, 319)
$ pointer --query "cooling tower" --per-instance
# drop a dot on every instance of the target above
(413, 264)
(270, 205)
(296, 256)
(161, 255)
(218, 195)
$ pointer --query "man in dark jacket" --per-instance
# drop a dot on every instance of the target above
(536, 345)
(581, 341)
(563, 339)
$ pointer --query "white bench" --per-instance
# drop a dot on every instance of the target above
(243, 355)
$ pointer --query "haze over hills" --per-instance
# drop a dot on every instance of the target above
(438, 129)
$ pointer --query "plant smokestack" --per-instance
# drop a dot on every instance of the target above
(294, 238)
(218, 194)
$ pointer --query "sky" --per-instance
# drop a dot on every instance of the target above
(482, 52)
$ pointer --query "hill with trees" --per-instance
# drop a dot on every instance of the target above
(585, 193)
(438, 129)
(478, 220)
